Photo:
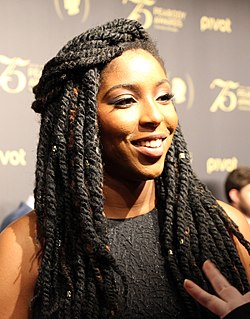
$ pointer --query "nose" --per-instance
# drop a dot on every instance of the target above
(151, 113)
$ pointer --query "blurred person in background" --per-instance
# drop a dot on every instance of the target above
(237, 189)
(24, 208)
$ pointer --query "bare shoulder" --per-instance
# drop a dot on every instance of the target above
(238, 218)
(241, 221)
(18, 266)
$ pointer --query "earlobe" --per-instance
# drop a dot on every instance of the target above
(234, 195)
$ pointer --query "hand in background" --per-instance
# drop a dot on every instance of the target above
(228, 297)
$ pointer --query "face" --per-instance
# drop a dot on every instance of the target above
(136, 116)
(244, 200)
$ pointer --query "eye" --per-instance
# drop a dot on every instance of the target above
(165, 97)
(124, 102)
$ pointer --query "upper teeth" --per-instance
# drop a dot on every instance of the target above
(152, 143)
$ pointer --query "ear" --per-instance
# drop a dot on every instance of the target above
(234, 195)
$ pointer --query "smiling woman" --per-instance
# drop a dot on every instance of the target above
(120, 218)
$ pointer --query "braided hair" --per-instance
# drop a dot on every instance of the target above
(77, 270)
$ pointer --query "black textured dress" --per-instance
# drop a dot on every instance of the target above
(135, 245)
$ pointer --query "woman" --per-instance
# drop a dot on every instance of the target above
(120, 218)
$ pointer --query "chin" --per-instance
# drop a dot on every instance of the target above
(150, 173)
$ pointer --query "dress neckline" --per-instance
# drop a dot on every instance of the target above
(151, 212)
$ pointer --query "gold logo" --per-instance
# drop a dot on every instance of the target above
(221, 164)
(13, 158)
(13, 80)
(232, 96)
(214, 24)
(158, 17)
(183, 90)
(14, 77)
(72, 8)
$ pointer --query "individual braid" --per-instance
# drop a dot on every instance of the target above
(196, 228)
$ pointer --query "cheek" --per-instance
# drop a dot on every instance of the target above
(171, 118)
(117, 125)
(245, 198)
(175, 122)
(248, 198)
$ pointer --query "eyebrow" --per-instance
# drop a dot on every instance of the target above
(131, 87)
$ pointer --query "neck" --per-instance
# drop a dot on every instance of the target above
(127, 199)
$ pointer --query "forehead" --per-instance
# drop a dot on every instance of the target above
(133, 65)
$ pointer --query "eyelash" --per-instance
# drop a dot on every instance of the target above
(166, 97)
(126, 102)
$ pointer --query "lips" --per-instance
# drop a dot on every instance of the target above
(150, 146)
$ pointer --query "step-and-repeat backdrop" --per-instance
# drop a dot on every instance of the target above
(205, 45)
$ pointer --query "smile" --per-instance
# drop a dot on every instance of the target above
(151, 144)
(150, 148)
